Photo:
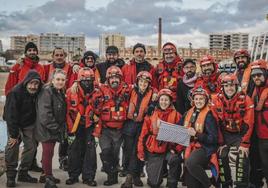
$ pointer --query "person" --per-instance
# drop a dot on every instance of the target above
(138, 64)
(209, 80)
(260, 98)
(242, 60)
(154, 152)
(112, 59)
(82, 150)
(110, 105)
(20, 115)
(235, 114)
(185, 85)
(22, 67)
(141, 103)
(50, 122)
(203, 129)
(169, 70)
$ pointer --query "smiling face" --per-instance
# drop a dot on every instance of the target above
(31, 53)
(189, 69)
(230, 90)
(258, 79)
(143, 85)
(59, 56)
(199, 101)
(89, 61)
(112, 57)
(207, 69)
(59, 80)
(139, 55)
(241, 62)
(32, 86)
(114, 82)
(164, 102)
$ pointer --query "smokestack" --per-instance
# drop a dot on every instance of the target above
(159, 36)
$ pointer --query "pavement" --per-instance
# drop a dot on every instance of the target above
(63, 176)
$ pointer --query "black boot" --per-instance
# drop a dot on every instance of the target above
(42, 179)
(23, 176)
(128, 182)
(137, 181)
(11, 176)
(71, 181)
(112, 179)
(35, 167)
(50, 183)
(90, 182)
(172, 185)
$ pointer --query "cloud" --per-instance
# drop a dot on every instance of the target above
(135, 18)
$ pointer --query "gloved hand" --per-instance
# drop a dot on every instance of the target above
(71, 138)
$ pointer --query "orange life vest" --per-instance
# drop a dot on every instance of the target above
(245, 79)
(132, 111)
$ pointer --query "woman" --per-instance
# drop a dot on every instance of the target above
(51, 112)
(154, 151)
(203, 130)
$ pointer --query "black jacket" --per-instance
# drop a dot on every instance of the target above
(19, 110)
(183, 103)
(102, 68)
(51, 114)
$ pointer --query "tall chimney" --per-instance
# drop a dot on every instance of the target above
(159, 36)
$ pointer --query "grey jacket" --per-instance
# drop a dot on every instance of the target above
(51, 114)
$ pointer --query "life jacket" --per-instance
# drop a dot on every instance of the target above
(210, 83)
(115, 105)
(153, 145)
(260, 98)
(52, 69)
(78, 102)
(246, 79)
(169, 74)
(199, 127)
(96, 72)
(137, 111)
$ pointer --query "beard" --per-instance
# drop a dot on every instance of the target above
(87, 86)
(114, 84)
(190, 74)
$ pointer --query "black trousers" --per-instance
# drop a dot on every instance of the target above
(263, 149)
(82, 155)
(195, 174)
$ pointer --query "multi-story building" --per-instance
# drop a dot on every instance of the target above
(259, 47)
(228, 41)
(108, 39)
(18, 43)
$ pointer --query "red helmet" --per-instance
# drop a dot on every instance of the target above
(199, 91)
(144, 75)
(241, 52)
(207, 59)
(114, 71)
(167, 92)
(259, 64)
(85, 74)
(229, 79)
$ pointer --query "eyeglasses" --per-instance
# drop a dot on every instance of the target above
(256, 75)
(59, 55)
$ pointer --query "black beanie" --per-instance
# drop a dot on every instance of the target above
(89, 53)
(30, 45)
(139, 45)
(112, 50)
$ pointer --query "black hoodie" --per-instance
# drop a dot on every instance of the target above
(20, 110)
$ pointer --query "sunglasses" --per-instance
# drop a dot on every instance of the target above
(256, 75)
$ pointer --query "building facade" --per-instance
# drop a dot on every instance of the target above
(259, 47)
(108, 39)
(228, 41)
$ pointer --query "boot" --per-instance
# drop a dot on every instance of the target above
(11, 176)
(128, 182)
(137, 181)
(112, 179)
(35, 167)
(71, 181)
(23, 176)
(11, 182)
(172, 185)
(63, 163)
(42, 179)
(50, 183)
(89, 182)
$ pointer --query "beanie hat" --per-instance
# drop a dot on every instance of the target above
(30, 45)
(139, 45)
(89, 53)
(112, 50)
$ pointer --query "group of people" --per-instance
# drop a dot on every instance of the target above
(121, 104)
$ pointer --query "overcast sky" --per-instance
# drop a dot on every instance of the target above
(184, 21)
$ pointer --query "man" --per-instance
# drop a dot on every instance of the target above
(112, 58)
(82, 151)
(22, 67)
(209, 78)
(20, 115)
(169, 70)
(185, 84)
(58, 62)
(260, 98)
(138, 64)
(242, 60)
(235, 113)
(111, 104)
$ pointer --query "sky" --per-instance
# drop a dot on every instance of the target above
(184, 21)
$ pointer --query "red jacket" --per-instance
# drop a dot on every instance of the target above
(111, 105)
(233, 114)
(260, 97)
(19, 71)
(209, 83)
(150, 129)
(130, 73)
(49, 69)
(168, 75)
